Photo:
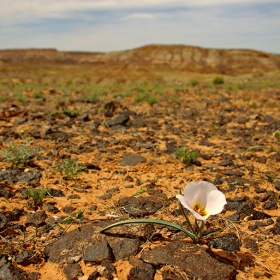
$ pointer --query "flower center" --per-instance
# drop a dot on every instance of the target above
(200, 210)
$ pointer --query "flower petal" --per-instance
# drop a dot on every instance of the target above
(184, 202)
(198, 192)
(215, 202)
(199, 217)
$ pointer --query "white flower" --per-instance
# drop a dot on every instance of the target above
(202, 199)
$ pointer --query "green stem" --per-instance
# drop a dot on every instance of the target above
(262, 147)
(200, 227)
(160, 222)
(186, 217)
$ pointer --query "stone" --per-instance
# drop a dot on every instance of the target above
(29, 176)
(36, 219)
(140, 270)
(141, 206)
(9, 272)
(228, 242)
(125, 248)
(72, 271)
(132, 159)
(120, 119)
(191, 259)
(97, 253)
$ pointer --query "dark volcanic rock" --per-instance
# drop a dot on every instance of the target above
(75, 242)
(29, 176)
(132, 159)
(125, 248)
(140, 270)
(98, 253)
(9, 272)
(120, 119)
(191, 259)
(36, 219)
(141, 206)
(70, 245)
(56, 193)
(15, 176)
(72, 271)
(228, 242)
(247, 209)
(9, 176)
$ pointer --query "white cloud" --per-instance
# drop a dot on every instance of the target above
(144, 16)
(105, 25)
(31, 10)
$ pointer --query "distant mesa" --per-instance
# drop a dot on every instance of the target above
(155, 58)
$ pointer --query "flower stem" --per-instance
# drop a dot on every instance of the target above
(199, 227)
(186, 217)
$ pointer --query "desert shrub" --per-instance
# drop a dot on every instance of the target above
(70, 113)
(218, 80)
(193, 83)
(71, 169)
(19, 154)
(187, 155)
(92, 97)
(37, 195)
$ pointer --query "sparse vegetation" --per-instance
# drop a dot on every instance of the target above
(218, 80)
(194, 82)
(71, 169)
(187, 155)
(37, 195)
(19, 154)
(92, 97)
(70, 113)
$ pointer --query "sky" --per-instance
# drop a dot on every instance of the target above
(115, 25)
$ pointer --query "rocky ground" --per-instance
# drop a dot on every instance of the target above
(127, 138)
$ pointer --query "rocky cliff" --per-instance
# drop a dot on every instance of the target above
(155, 58)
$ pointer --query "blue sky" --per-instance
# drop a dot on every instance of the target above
(111, 25)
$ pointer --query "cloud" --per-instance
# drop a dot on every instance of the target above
(32, 10)
(120, 24)
(145, 16)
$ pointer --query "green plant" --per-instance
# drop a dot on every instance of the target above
(152, 100)
(71, 169)
(276, 135)
(197, 200)
(69, 112)
(91, 97)
(20, 97)
(141, 96)
(19, 154)
(218, 80)
(187, 155)
(37, 94)
(268, 175)
(141, 191)
(193, 83)
(37, 195)
(78, 218)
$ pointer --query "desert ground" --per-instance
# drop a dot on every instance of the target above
(85, 144)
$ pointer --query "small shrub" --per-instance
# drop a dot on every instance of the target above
(37, 95)
(152, 100)
(71, 169)
(141, 96)
(91, 97)
(187, 155)
(20, 97)
(70, 113)
(19, 154)
(37, 195)
(193, 83)
(218, 80)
